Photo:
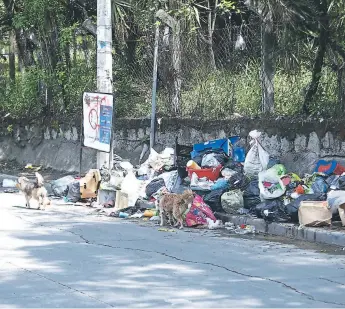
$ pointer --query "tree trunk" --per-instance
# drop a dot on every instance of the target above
(341, 88)
(268, 63)
(86, 53)
(211, 26)
(176, 50)
(12, 57)
(175, 25)
(25, 56)
(319, 59)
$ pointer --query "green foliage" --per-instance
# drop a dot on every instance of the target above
(21, 98)
(58, 57)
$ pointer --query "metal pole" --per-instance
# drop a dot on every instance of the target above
(154, 88)
(104, 64)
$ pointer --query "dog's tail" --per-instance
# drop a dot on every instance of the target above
(39, 179)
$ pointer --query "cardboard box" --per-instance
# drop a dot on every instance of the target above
(312, 213)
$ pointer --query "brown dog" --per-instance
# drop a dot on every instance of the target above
(175, 205)
(34, 190)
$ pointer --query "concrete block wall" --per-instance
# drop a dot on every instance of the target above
(298, 143)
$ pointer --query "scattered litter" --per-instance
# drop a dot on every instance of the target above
(31, 167)
(166, 230)
(149, 213)
(240, 229)
(155, 218)
(60, 186)
(123, 215)
(137, 215)
(229, 226)
(9, 183)
(214, 225)
(245, 229)
(126, 165)
(222, 178)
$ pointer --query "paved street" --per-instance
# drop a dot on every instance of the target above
(65, 257)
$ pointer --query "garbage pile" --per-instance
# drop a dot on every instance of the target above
(259, 185)
(223, 178)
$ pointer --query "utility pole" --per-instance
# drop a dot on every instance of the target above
(104, 65)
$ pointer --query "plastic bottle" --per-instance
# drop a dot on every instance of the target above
(193, 165)
(123, 215)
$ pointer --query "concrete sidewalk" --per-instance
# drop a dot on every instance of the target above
(319, 235)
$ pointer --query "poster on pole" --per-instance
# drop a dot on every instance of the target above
(98, 120)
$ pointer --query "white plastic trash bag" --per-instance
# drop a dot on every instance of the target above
(277, 188)
(170, 179)
(335, 199)
(257, 158)
(8, 183)
(131, 186)
(210, 160)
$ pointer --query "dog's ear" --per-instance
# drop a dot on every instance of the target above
(40, 180)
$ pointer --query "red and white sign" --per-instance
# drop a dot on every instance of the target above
(98, 120)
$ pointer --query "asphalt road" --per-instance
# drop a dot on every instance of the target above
(66, 257)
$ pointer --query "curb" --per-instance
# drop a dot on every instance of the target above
(289, 230)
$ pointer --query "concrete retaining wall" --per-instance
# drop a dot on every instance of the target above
(297, 142)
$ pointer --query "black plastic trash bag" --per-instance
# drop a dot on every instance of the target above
(251, 195)
(154, 186)
(60, 186)
(235, 166)
(238, 181)
(336, 182)
(272, 210)
(213, 199)
(182, 156)
(74, 193)
(292, 208)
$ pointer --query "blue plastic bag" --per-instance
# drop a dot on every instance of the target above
(319, 185)
(221, 183)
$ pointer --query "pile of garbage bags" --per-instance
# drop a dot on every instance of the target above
(224, 179)
(230, 181)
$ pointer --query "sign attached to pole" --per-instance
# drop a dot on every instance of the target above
(98, 120)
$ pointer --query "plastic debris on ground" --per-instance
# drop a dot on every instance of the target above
(31, 167)
(245, 229)
(155, 218)
(240, 229)
(213, 225)
(166, 230)
(9, 183)
(137, 215)
(60, 186)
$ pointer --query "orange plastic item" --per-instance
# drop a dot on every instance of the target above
(149, 213)
(300, 190)
(210, 173)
